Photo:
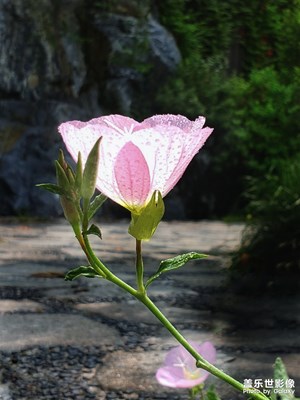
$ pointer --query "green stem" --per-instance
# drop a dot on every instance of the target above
(201, 394)
(191, 394)
(107, 273)
(200, 361)
(87, 250)
(85, 221)
(139, 265)
(141, 295)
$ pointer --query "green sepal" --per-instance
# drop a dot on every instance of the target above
(79, 174)
(61, 176)
(51, 187)
(61, 159)
(174, 263)
(96, 204)
(94, 230)
(87, 272)
(70, 175)
(90, 172)
(143, 225)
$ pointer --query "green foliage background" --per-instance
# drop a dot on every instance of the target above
(241, 69)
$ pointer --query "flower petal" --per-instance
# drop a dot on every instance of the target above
(79, 136)
(162, 152)
(120, 124)
(174, 140)
(165, 143)
(172, 377)
(176, 356)
(179, 369)
(207, 350)
(168, 376)
(132, 176)
(178, 121)
(191, 145)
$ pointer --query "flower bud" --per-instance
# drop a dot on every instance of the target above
(90, 172)
(70, 210)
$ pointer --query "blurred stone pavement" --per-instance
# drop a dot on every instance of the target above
(87, 339)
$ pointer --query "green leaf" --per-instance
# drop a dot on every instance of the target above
(94, 230)
(174, 263)
(281, 374)
(279, 369)
(90, 172)
(143, 225)
(195, 390)
(211, 394)
(96, 204)
(51, 187)
(88, 272)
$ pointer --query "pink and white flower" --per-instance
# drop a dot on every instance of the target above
(179, 369)
(137, 159)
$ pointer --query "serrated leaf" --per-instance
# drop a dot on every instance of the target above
(51, 187)
(87, 272)
(174, 263)
(94, 230)
(96, 204)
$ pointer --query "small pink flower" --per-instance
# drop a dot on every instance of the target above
(137, 159)
(179, 369)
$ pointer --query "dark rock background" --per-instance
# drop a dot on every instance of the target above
(78, 59)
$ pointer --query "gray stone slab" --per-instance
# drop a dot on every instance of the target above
(21, 331)
(12, 306)
(123, 370)
(5, 392)
(56, 241)
(32, 275)
(36, 257)
(132, 311)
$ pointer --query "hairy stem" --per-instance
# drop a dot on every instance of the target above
(200, 361)
(139, 265)
(141, 295)
(106, 271)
